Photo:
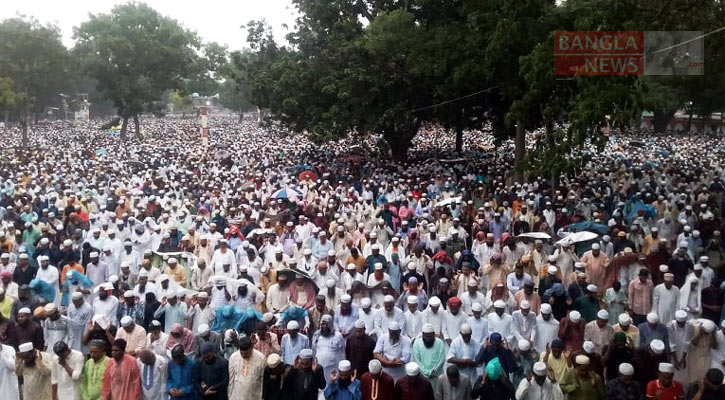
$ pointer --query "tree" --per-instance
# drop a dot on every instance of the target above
(33, 57)
(8, 97)
(236, 86)
(136, 55)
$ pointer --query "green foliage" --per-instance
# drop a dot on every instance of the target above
(36, 62)
(136, 55)
(8, 97)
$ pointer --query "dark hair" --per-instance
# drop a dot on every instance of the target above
(714, 376)
(244, 343)
(452, 372)
(98, 343)
(120, 343)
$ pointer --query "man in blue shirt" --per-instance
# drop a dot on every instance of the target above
(343, 385)
(180, 384)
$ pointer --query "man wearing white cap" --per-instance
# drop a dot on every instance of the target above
(369, 316)
(376, 384)
(665, 298)
(430, 354)
(328, 346)
(393, 350)
(388, 314)
(717, 354)
(471, 296)
(596, 263)
(134, 335)
(500, 322)
(206, 335)
(34, 366)
(49, 273)
(547, 328)
(223, 256)
(359, 348)
(413, 386)
(413, 318)
(581, 383)
(343, 385)
(105, 304)
(599, 332)
(57, 327)
(624, 387)
(345, 315)
(653, 329)
(665, 387)
(646, 357)
(96, 270)
(463, 351)
(524, 323)
(677, 332)
(538, 386)
(201, 312)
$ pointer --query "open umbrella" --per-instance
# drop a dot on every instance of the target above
(448, 201)
(259, 231)
(307, 175)
(577, 237)
(286, 193)
(536, 235)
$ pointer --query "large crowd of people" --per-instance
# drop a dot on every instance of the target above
(261, 265)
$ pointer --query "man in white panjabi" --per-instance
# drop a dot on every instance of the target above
(538, 386)
(8, 379)
(246, 368)
(665, 298)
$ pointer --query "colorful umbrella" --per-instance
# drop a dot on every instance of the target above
(286, 193)
(307, 175)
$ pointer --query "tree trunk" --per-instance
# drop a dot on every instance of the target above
(241, 116)
(459, 139)
(660, 119)
(399, 143)
(124, 127)
(519, 151)
(137, 126)
(25, 131)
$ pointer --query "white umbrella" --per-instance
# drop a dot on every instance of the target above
(536, 235)
(448, 201)
(259, 231)
(577, 237)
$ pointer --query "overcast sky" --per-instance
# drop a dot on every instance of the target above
(213, 20)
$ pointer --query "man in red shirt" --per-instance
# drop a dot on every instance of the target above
(665, 388)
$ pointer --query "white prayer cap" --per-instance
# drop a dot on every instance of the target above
(552, 269)
(388, 299)
(704, 259)
(581, 359)
(351, 266)
(77, 295)
(306, 354)
(412, 369)
(588, 347)
(664, 268)
(393, 326)
(306, 252)
(93, 254)
(23, 255)
(412, 299)
(126, 321)
(657, 346)
(44, 240)
(129, 293)
(499, 304)
(603, 314)
(624, 319)
(666, 368)
(5, 255)
(436, 302)
(345, 298)
(203, 329)
(50, 308)
(344, 366)
(476, 307)
(595, 246)
(143, 273)
(24, 310)
(330, 283)
(375, 247)
(273, 360)
(465, 329)
(682, 245)
(163, 277)
(359, 324)
(681, 315)
(575, 316)
(653, 318)
(592, 288)
(708, 326)
(374, 366)
(546, 308)
(67, 242)
(293, 325)
(203, 295)
(173, 260)
(626, 369)
(171, 293)
(25, 347)
(697, 267)
(267, 317)
(539, 368)
(365, 302)
(378, 266)
(428, 328)
(329, 253)
(524, 345)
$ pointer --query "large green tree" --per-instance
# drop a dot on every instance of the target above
(33, 57)
(136, 55)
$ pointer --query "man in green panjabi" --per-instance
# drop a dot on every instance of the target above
(93, 370)
(429, 352)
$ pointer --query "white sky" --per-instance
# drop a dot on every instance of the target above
(213, 20)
